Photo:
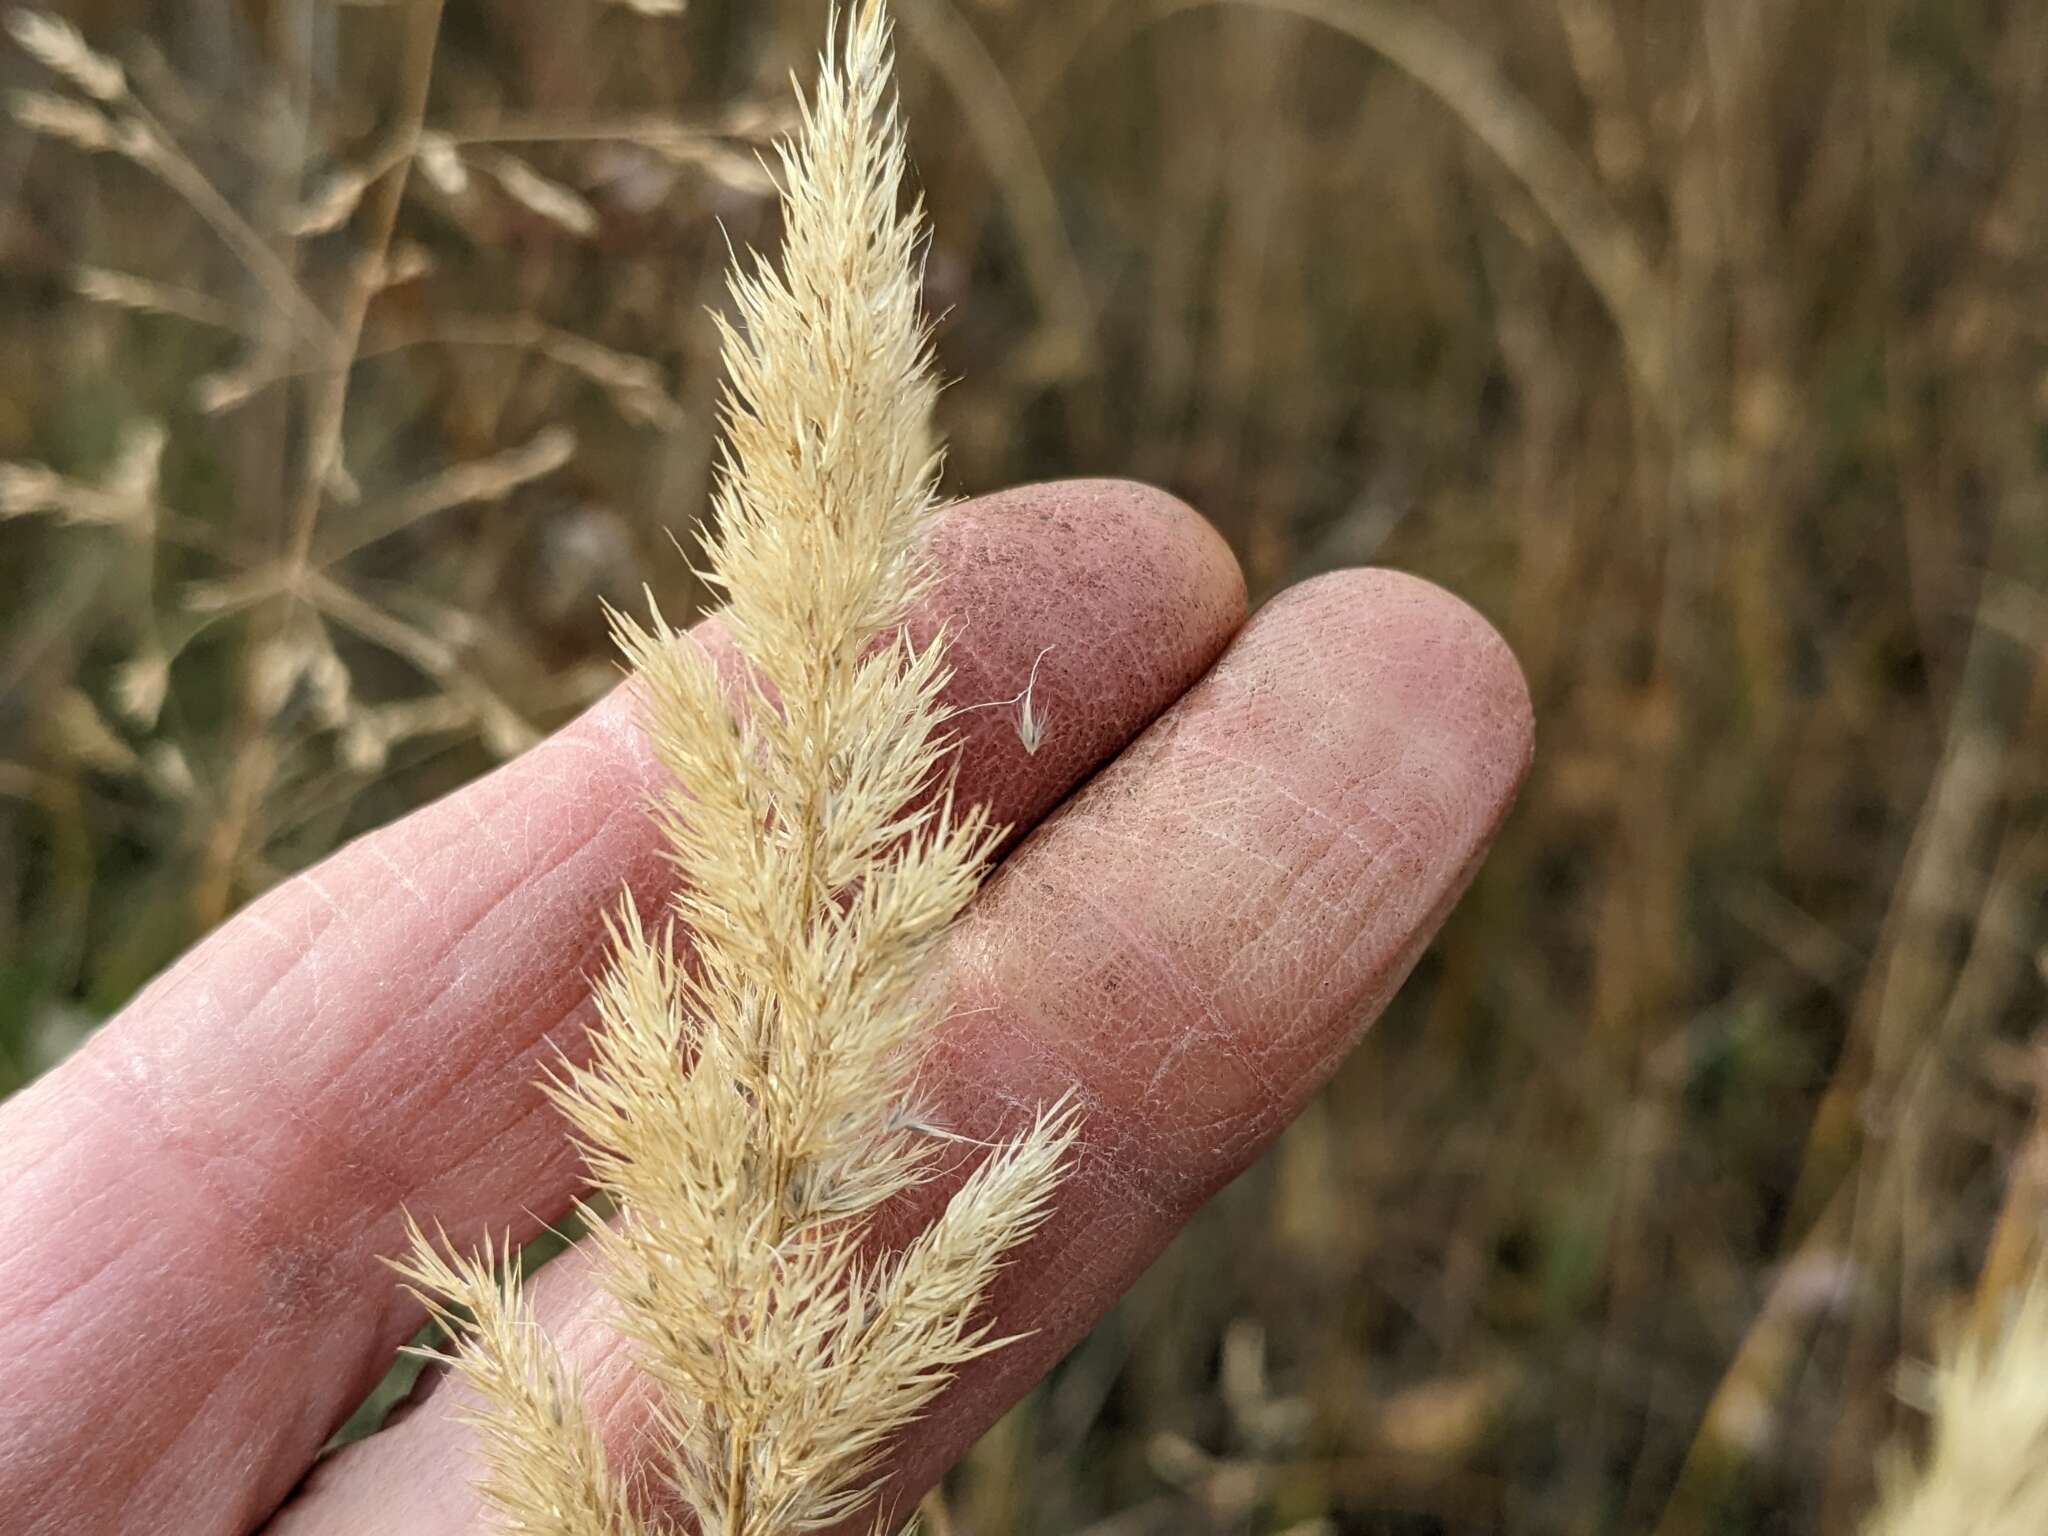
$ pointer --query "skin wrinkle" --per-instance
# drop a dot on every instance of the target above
(1402, 836)
(485, 827)
(142, 1500)
(198, 1052)
(256, 920)
(1405, 958)
(461, 964)
(1144, 947)
(1155, 1144)
(421, 1099)
(382, 856)
(171, 1135)
(307, 1115)
(1290, 875)
(212, 1366)
(312, 883)
(77, 1291)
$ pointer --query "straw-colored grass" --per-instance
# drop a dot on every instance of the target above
(1716, 1106)
(748, 1116)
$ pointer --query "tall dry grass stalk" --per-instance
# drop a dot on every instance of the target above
(328, 270)
(822, 856)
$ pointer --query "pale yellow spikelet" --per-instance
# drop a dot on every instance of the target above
(65, 119)
(1986, 1467)
(537, 194)
(546, 1472)
(821, 856)
(331, 203)
(58, 46)
(141, 684)
(125, 290)
(438, 160)
(124, 498)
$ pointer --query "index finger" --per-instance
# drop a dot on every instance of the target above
(194, 1209)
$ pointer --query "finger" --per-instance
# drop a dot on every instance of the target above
(1191, 944)
(194, 1209)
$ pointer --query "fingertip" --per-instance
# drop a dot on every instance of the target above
(1106, 599)
(1119, 537)
(1201, 935)
(1195, 941)
(1437, 669)
(1145, 579)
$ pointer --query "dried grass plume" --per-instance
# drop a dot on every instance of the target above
(822, 856)
(1986, 1469)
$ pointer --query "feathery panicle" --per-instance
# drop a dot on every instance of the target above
(822, 856)
(1987, 1467)
(545, 1464)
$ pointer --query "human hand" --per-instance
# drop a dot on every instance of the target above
(1268, 822)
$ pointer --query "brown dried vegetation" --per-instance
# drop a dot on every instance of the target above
(1701, 346)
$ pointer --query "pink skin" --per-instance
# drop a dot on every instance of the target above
(192, 1210)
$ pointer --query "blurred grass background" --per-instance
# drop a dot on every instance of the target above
(1703, 347)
